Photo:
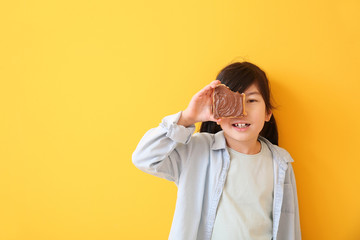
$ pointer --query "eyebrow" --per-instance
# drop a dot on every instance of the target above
(252, 93)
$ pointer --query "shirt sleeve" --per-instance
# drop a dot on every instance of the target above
(297, 231)
(296, 205)
(162, 150)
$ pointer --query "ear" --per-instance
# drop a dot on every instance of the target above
(268, 116)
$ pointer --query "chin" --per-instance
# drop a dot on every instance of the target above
(239, 139)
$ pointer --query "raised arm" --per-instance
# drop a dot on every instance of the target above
(162, 150)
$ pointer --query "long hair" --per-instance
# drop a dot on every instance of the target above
(238, 77)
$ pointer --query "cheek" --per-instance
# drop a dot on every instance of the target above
(259, 112)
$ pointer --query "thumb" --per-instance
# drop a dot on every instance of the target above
(218, 121)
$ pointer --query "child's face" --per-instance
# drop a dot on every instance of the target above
(256, 116)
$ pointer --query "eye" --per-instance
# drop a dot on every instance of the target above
(252, 100)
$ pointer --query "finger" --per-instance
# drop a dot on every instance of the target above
(204, 92)
(217, 120)
(208, 89)
(213, 84)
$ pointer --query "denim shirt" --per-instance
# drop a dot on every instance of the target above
(198, 164)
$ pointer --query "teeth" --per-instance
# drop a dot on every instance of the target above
(241, 125)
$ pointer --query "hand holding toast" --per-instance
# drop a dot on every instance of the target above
(200, 106)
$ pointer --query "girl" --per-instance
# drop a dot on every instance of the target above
(233, 181)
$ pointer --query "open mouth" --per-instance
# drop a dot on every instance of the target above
(241, 125)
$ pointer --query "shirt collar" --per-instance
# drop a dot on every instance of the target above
(220, 143)
(279, 152)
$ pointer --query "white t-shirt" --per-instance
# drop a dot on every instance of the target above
(245, 208)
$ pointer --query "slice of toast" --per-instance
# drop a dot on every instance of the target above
(228, 104)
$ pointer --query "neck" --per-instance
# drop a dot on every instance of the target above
(250, 148)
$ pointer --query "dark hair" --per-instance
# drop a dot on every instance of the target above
(238, 77)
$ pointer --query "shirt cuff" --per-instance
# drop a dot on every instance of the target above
(175, 132)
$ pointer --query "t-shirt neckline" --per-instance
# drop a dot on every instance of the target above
(243, 155)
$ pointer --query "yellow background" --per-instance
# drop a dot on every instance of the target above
(82, 81)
